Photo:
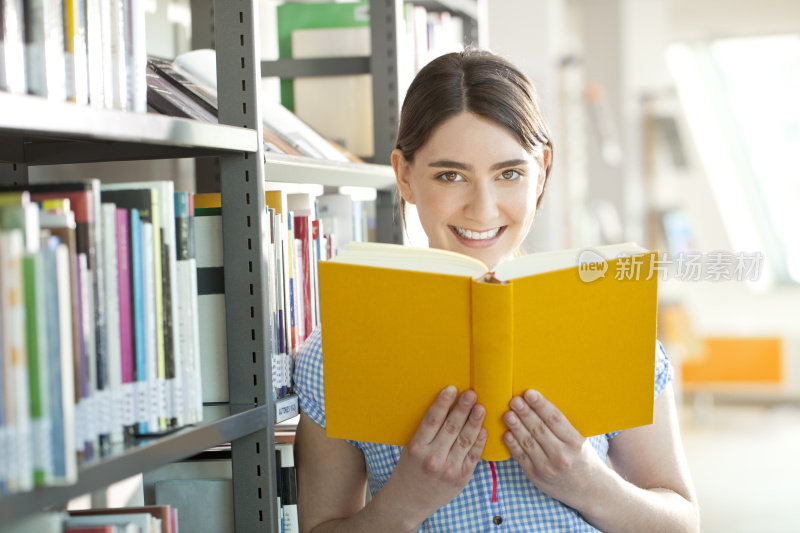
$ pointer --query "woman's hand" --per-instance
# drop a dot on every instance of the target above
(439, 460)
(556, 458)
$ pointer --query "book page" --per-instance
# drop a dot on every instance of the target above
(409, 258)
(528, 265)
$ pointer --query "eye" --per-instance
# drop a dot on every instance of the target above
(449, 177)
(510, 175)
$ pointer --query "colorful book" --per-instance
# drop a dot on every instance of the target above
(126, 319)
(162, 196)
(402, 322)
(84, 201)
(16, 384)
(57, 269)
(36, 332)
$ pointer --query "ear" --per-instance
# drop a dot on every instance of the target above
(547, 155)
(402, 173)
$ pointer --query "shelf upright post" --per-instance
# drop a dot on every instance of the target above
(15, 171)
(243, 225)
(385, 15)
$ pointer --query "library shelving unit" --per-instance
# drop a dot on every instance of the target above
(35, 131)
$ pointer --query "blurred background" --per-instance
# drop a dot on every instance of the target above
(676, 124)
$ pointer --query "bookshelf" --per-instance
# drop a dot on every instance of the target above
(35, 131)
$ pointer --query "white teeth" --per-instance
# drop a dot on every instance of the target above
(476, 235)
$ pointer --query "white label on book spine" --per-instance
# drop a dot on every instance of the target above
(156, 403)
(142, 405)
(42, 451)
(79, 427)
(90, 418)
(178, 409)
(129, 403)
(104, 411)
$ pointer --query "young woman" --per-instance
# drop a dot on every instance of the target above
(473, 154)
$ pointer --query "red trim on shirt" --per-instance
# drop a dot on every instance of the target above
(494, 482)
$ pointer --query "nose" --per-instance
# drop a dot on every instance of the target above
(482, 204)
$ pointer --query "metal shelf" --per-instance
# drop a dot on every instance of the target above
(36, 131)
(296, 169)
(223, 423)
(468, 8)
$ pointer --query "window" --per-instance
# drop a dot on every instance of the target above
(740, 97)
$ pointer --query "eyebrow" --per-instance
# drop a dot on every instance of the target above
(446, 163)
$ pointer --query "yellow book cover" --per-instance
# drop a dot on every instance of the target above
(401, 323)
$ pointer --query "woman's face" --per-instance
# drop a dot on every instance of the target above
(475, 188)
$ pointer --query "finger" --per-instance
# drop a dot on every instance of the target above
(553, 418)
(468, 435)
(474, 454)
(521, 443)
(435, 416)
(450, 430)
(535, 426)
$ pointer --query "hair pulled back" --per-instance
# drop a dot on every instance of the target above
(478, 82)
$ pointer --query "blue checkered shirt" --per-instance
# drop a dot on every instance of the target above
(520, 506)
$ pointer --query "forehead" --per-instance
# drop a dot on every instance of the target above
(468, 137)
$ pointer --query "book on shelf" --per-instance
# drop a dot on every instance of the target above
(82, 51)
(13, 78)
(59, 394)
(16, 394)
(160, 515)
(187, 324)
(44, 48)
(284, 132)
(288, 486)
(162, 216)
(402, 322)
(124, 521)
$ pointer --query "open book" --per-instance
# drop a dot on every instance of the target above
(401, 323)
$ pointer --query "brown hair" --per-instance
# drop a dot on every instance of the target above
(477, 81)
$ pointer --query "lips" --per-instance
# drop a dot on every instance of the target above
(477, 238)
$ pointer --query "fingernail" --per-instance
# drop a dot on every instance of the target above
(449, 392)
(468, 397)
(508, 437)
(511, 418)
(478, 412)
(531, 395)
(517, 403)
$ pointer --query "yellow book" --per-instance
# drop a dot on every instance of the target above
(401, 323)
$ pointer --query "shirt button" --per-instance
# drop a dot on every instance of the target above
(498, 520)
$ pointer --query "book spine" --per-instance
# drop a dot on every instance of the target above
(136, 55)
(52, 359)
(111, 396)
(94, 52)
(153, 396)
(39, 383)
(140, 401)
(211, 304)
(16, 384)
(63, 399)
(13, 76)
(126, 325)
(492, 356)
(288, 488)
(117, 44)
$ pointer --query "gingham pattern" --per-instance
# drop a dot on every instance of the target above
(520, 504)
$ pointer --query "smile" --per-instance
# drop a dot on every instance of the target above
(477, 235)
